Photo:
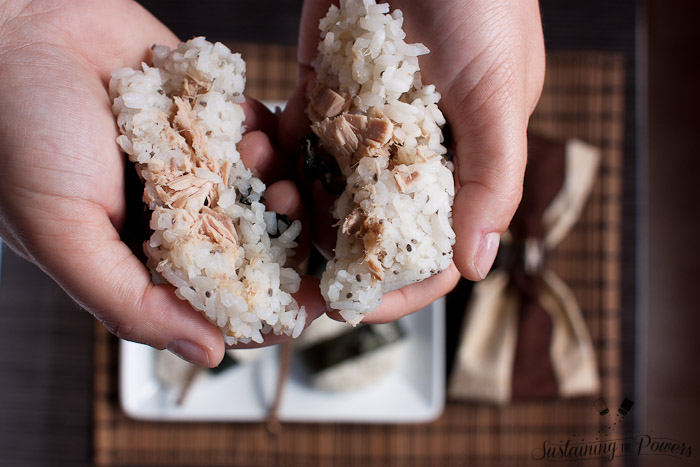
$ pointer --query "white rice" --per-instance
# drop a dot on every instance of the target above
(212, 237)
(363, 54)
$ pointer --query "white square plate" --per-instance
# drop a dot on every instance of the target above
(413, 392)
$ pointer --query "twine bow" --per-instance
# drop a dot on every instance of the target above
(524, 335)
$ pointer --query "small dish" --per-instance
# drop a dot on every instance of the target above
(413, 392)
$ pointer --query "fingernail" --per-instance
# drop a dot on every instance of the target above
(189, 351)
(486, 254)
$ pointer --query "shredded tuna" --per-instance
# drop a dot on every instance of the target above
(375, 267)
(192, 199)
(338, 137)
(405, 177)
(222, 220)
(192, 88)
(185, 181)
(358, 121)
(174, 139)
(379, 131)
(370, 151)
(371, 234)
(329, 103)
(194, 134)
(353, 222)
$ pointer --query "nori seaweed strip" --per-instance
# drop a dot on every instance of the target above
(245, 198)
(352, 344)
(448, 142)
(318, 164)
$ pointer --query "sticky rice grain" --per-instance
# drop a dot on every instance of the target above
(395, 213)
(180, 122)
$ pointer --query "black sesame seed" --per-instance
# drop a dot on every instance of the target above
(356, 185)
(207, 294)
(358, 278)
(395, 271)
(433, 271)
(269, 292)
(409, 248)
(414, 241)
(349, 295)
(375, 177)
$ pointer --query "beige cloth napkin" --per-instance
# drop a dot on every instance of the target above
(524, 336)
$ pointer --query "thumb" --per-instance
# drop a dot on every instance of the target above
(489, 178)
(100, 272)
(491, 154)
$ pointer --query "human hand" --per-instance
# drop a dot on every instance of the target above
(62, 203)
(487, 61)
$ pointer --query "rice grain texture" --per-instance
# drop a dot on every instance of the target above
(373, 114)
(180, 121)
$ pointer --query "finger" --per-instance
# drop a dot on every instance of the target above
(491, 154)
(106, 49)
(259, 118)
(283, 198)
(311, 14)
(406, 300)
(488, 103)
(104, 276)
(294, 124)
(262, 158)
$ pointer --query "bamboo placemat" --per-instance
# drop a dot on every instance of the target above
(582, 98)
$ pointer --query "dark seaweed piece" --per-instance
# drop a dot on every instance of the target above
(318, 164)
(226, 363)
(283, 223)
(448, 142)
(245, 198)
(312, 163)
(358, 341)
(137, 228)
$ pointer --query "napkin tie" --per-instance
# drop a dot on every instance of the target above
(524, 336)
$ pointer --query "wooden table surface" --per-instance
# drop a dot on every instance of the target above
(46, 340)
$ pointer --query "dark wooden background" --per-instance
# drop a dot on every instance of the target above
(46, 340)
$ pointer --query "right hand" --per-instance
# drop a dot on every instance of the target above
(62, 203)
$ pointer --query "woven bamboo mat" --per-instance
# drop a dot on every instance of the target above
(582, 98)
